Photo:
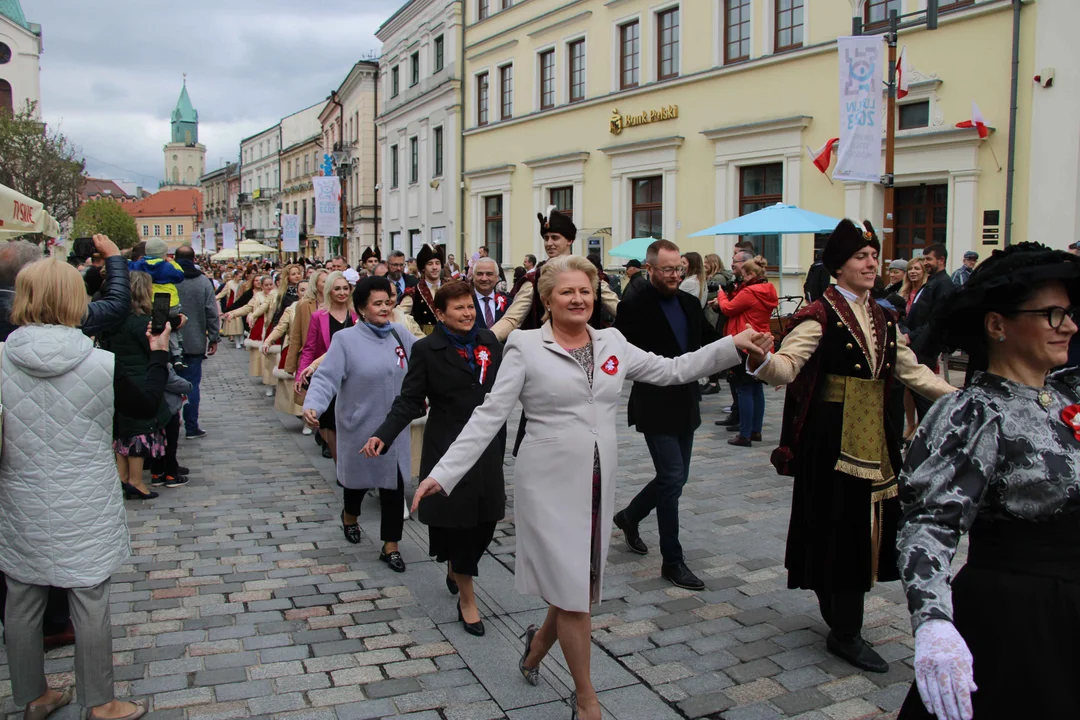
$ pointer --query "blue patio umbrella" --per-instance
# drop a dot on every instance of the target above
(778, 219)
(633, 249)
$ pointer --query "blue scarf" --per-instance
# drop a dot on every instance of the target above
(464, 344)
(382, 331)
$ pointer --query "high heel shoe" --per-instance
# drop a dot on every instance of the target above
(451, 583)
(133, 493)
(531, 675)
(476, 628)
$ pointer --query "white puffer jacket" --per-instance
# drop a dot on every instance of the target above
(62, 519)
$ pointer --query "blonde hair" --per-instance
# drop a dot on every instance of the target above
(142, 293)
(908, 287)
(755, 266)
(713, 264)
(313, 284)
(49, 292)
(549, 276)
(330, 280)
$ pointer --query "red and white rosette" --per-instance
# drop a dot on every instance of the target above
(500, 303)
(483, 359)
(611, 365)
(1071, 416)
(400, 356)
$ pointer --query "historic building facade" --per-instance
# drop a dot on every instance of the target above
(420, 124)
(217, 200)
(171, 215)
(20, 59)
(185, 156)
(260, 183)
(301, 138)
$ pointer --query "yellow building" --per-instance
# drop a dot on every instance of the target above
(171, 215)
(299, 163)
(662, 118)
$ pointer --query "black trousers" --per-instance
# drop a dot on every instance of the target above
(167, 464)
(843, 612)
(392, 505)
(461, 547)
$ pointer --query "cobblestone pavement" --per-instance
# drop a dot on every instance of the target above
(243, 599)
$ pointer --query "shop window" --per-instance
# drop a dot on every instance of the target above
(647, 207)
(921, 218)
(761, 186)
(482, 99)
(914, 115)
(547, 79)
(493, 227)
(667, 44)
(737, 30)
(563, 199)
(629, 55)
(788, 24)
(576, 51)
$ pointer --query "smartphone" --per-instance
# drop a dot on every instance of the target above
(83, 248)
(159, 317)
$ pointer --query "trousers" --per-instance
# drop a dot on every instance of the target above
(842, 612)
(671, 459)
(90, 615)
(392, 505)
(193, 374)
(167, 464)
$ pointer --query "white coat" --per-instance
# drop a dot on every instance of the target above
(566, 419)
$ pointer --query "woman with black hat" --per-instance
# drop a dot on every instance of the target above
(839, 361)
(1001, 460)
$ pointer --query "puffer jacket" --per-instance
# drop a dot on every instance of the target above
(62, 520)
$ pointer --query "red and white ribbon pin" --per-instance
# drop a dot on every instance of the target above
(400, 356)
(483, 359)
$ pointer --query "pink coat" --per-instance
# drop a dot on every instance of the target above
(318, 339)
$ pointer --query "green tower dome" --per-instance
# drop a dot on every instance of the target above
(185, 120)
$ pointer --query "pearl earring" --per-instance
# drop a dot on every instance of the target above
(1001, 338)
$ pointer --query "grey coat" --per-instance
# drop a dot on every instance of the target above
(365, 372)
(199, 302)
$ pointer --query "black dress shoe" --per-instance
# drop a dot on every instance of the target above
(326, 452)
(755, 437)
(710, 389)
(476, 628)
(133, 493)
(740, 441)
(733, 428)
(451, 583)
(728, 421)
(393, 559)
(680, 576)
(630, 534)
(352, 532)
(857, 652)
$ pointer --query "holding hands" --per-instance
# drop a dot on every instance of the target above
(755, 344)
(303, 378)
(311, 419)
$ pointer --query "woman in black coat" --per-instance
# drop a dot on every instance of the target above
(454, 368)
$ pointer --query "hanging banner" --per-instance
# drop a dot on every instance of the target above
(327, 205)
(196, 242)
(208, 239)
(228, 236)
(862, 63)
(290, 233)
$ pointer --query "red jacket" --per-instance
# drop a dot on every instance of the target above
(751, 305)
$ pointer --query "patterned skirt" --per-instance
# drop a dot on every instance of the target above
(147, 445)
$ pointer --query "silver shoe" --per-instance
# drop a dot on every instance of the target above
(531, 675)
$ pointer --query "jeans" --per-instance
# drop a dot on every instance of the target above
(751, 407)
(193, 374)
(671, 458)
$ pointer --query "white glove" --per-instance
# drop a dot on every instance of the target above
(943, 670)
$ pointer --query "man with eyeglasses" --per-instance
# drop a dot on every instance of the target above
(665, 321)
(395, 266)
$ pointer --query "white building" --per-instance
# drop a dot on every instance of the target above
(260, 183)
(419, 125)
(301, 134)
(20, 59)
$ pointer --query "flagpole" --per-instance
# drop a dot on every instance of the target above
(889, 248)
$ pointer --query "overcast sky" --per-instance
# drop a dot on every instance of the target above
(111, 70)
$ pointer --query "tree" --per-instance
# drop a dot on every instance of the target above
(40, 163)
(105, 216)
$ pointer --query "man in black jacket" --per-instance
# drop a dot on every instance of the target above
(635, 279)
(929, 303)
(663, 320)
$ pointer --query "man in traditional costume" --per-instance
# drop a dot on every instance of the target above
(419, 300)
(839, 361)
(526, 312)
(370, 258)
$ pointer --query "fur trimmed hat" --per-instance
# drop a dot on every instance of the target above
(370, 252)
(555, 222)
(428, 253)
(848, 238)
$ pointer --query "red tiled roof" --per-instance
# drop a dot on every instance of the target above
(168, 203)
(102, 187)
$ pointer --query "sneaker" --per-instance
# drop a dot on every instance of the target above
(157, 480)
(680, 576)
(179, 365)
(196, 435)
(306, 431)
(172, 481)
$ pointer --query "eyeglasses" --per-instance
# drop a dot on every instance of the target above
(666, 270)
(1055, 315)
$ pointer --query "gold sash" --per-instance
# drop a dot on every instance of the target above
(863, 449)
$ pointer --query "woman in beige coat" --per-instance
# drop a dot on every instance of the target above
(569, 379)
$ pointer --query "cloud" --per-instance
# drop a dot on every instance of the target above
(111, 70)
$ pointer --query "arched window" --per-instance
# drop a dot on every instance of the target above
(176, 175)
(6, 101)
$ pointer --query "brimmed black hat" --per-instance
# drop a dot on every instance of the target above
(428, 253)
(997, 285)
(556, 222)
(370, 252)
(848, 238)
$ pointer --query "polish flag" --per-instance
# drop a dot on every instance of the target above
(822, 157)
(902, 74)
(977, 121)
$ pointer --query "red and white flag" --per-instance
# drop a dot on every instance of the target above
(977, 121)
(822, 157)
(902, 74)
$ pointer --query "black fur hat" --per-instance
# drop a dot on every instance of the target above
(556, 222)
(848, 238)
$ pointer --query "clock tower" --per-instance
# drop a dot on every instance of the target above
(185, 158)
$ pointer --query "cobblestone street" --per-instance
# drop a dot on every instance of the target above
(243, 599)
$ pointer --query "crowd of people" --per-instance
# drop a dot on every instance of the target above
(410, 368)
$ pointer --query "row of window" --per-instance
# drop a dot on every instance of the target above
(168, 230)
(438, 63)
(484, 7)
(270, 146)
(307, 166)
(414, 159)
(261, 181)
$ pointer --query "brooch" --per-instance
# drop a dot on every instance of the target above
(1070, 416)
(483, 359)
(611, 365)
(1045, 399)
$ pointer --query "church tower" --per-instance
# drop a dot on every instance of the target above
(185, 158)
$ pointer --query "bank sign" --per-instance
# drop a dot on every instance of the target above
(618, 122)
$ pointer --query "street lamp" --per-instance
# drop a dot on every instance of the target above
(857, 16)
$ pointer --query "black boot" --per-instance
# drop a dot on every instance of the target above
(857, 652)
(630, 534)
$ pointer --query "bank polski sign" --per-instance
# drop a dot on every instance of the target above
(618, 122)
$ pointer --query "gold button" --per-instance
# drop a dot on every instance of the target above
(858, 366)
(892, 344)
(839, 324)
(888, 365)
(849, 346)
(889, 323)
